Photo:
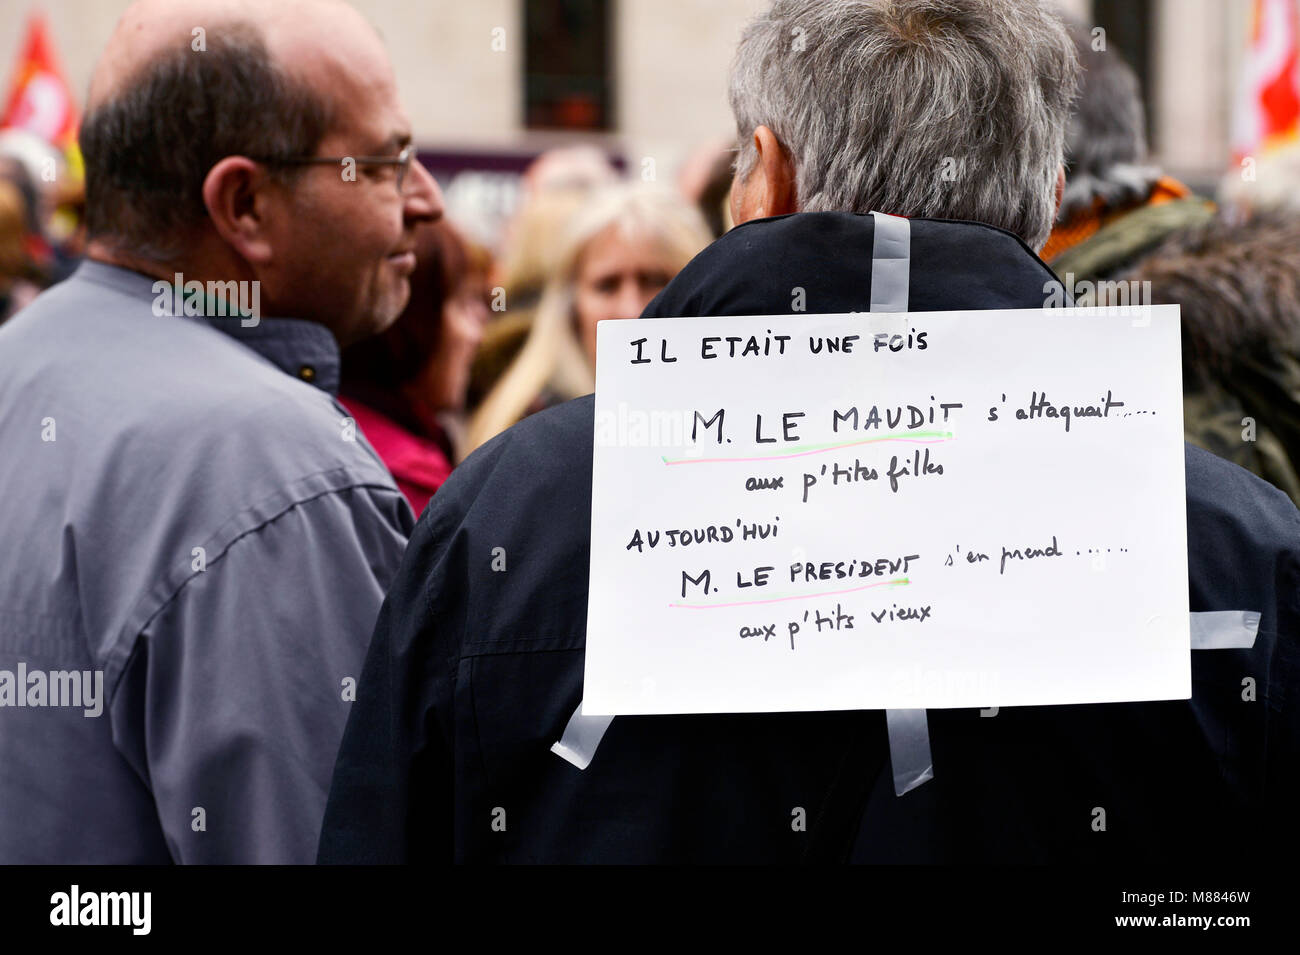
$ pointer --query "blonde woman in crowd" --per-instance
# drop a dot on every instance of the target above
(616, 254)
(556, 185)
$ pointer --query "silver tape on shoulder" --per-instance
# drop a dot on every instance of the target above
(582, 735)
(909, 737)
(909, 749)
(891, 271)
(891, 263)
(1224, 629)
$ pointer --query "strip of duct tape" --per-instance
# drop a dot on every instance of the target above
(582, 735)
(891, 271)
(909, 736)
(1224, 629)
(909, 749)
(891, 263)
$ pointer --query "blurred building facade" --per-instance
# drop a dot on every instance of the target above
(500, 80)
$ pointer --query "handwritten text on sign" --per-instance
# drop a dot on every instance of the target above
(940, 509)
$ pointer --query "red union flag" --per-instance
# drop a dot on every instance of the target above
(40, 101)
(1268, 102)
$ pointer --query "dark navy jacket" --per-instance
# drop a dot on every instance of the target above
(474, 673)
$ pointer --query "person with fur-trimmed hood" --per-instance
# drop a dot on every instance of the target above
(1239, 287)
(1117, 205)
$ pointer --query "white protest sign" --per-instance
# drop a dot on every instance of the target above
(870, 511)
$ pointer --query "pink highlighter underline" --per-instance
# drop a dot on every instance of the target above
(777, 600)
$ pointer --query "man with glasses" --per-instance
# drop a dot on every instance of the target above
(199, 538)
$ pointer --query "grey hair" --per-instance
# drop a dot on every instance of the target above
(150, 145)
(943, 108)
(1105, 141)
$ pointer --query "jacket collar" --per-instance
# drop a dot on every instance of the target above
(823, 262)
(300, 348)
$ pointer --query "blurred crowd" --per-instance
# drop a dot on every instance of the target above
(40, 213)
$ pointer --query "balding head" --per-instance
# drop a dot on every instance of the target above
(302, 36)
(179, 86)
(200, 116)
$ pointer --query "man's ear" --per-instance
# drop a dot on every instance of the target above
(770, 189)
(1060, 190)
(235, 192)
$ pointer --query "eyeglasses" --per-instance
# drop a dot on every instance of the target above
(402, 161)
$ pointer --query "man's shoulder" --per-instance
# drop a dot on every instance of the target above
(569, 423)
(1224, 493)
(156, 441)
(546, 453)
(526, 493)
(1243, 543)
(169, 428)
(140, 387)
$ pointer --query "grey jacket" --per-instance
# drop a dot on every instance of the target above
(194, 529)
